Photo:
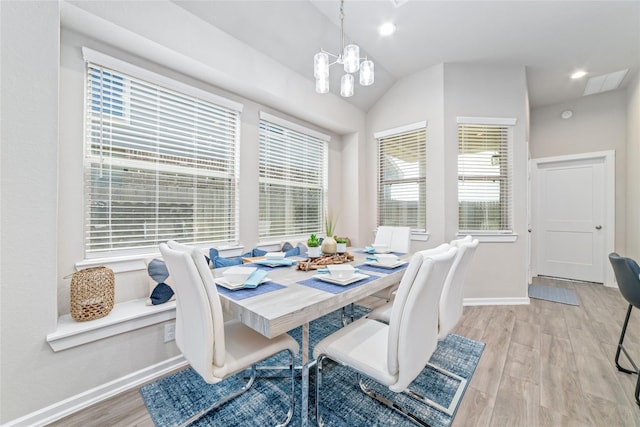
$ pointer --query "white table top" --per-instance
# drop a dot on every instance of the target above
(280, 311)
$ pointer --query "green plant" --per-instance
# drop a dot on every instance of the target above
(329, 225)
(341, 240)
(313, 241)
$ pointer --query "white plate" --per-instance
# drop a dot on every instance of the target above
(342, 282)
(225, 283)
(394, 265)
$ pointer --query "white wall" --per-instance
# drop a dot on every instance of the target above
(29, 99)
(499, 270)
(599, 123)
(632, 228)
(438, 95)
(413, 99)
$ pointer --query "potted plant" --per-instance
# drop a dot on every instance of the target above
(314, 247)
(341, 245)
(329, 243)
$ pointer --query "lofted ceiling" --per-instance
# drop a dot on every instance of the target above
(552, 39)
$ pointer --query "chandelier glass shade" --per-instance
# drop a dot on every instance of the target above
(349, 58)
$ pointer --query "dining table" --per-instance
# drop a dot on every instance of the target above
(291, 298)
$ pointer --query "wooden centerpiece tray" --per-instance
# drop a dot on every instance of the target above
(323, 261)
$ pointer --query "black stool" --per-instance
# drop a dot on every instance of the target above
(627, 274)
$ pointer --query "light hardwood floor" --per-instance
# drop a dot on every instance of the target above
(544, 364)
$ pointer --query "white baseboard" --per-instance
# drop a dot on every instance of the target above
(83, 400)
(496, 301)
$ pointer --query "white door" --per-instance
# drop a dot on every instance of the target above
(570, 225)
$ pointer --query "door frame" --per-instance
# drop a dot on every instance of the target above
(609, 201)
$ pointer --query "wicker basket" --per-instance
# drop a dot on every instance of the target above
(92, 293)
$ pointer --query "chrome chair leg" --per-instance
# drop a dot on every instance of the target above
(410, 415)
(292, 401)
(462, 384)
(319, 361)
(449, 410)
(346, 319)
(222, 401)
(246, 387)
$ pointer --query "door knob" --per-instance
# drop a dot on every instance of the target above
(598, 227)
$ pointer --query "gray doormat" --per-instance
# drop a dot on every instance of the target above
(551, 293)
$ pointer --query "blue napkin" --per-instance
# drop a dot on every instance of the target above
(369, 250)
(254, 280)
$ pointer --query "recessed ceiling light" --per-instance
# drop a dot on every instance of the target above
(578, 74)
(387, 29)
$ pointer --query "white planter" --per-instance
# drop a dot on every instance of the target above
(314, 252)
(341, 248)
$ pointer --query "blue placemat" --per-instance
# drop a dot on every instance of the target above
(382, 269)
(248, 293)
(335, 289)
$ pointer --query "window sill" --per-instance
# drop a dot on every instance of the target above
(125, 317)
(491, 238)
(420, 237)
(123, 264)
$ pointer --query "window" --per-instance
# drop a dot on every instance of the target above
(402, 182)
(484, 175)
(159, 163)
(293, 178)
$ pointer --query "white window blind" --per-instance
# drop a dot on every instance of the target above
(292, 178)
(159, 165)
(484, 177)
(402, 182)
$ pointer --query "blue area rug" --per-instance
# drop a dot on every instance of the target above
(551, 293)
(175, 398)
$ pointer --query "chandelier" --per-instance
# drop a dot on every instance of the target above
(349, 57)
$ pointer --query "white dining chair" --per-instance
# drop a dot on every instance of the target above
(450, 306)
(398, 239)
(215, 349)
(392, 354)
(452, 299)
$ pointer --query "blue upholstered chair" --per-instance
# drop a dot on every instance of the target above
(627, 274)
